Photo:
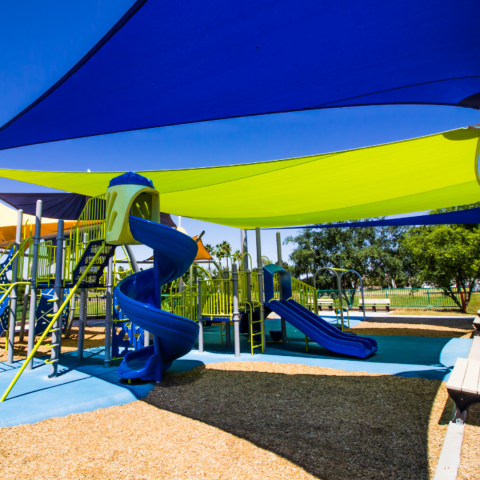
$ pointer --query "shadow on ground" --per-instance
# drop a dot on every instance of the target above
(347, 427)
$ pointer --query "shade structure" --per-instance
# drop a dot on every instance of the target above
(8, 226)
(436, 171)
(167, 63)
(202, 253)
(460, 217)
(67, 206)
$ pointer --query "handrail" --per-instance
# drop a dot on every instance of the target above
(10, 288)
(305, 292)
(50, 325)
(201, 268)
(242, 260)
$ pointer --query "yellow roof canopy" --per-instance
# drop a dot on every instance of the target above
(430, 172)
(8, 226)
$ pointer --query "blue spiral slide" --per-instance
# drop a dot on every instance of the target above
(139, 297)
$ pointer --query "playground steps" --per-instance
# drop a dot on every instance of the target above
(96, 272)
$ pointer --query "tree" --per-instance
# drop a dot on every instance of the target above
(223, 249)
(376, 253)
(122, 273)
(447, 255)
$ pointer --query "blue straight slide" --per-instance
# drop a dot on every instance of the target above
(139, 297)
(322, 332)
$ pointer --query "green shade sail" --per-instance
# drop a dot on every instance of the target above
(436, 171)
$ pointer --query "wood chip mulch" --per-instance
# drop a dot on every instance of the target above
(417, 327)
(251, 420)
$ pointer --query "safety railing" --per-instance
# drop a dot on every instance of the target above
(89, 227)
(25, 259)
(305, 294)
(46, 263)
(217, 298)
(69, 261)
(254, 287)
(183, 304)
(119, 272)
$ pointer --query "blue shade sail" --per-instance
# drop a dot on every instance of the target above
(168, 63)
(68, 206)
(458, 217)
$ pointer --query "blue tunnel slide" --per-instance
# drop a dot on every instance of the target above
(139, 297)
(319, 330)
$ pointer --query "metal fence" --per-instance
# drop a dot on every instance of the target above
(95, 307)
(427, 298)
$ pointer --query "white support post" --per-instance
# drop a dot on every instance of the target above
(82, 320)
(26, 299)
(13, 297)
(236, 312)
(260, 283)
(33, 291)
(279, 263)
(108, 314)
(200, 319)
(57, 328)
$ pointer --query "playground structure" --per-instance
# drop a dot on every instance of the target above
(129, 214)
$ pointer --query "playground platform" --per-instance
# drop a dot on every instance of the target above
(88, 385)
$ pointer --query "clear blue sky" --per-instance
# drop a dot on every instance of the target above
(43, 40)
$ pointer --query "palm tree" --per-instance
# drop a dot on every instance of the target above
(223, 249)
(237, 256)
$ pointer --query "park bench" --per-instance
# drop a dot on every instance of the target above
(375, 302)
(325, 302)
(476, 323)
(464, 383)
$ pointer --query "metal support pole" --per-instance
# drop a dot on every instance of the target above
(279, 250)
(33, 291)
(13, 297)
(81, 322)
(244, 246)
(279, 263)
(26, 299)
(339, 288)
(108, 314)
(225, 275)
(57, 328)
(68, 330)
(200, 319)
(236, 312)
(133, 260)
(260, 283)
(190, 293)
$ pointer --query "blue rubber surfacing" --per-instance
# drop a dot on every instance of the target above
(88, 385)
